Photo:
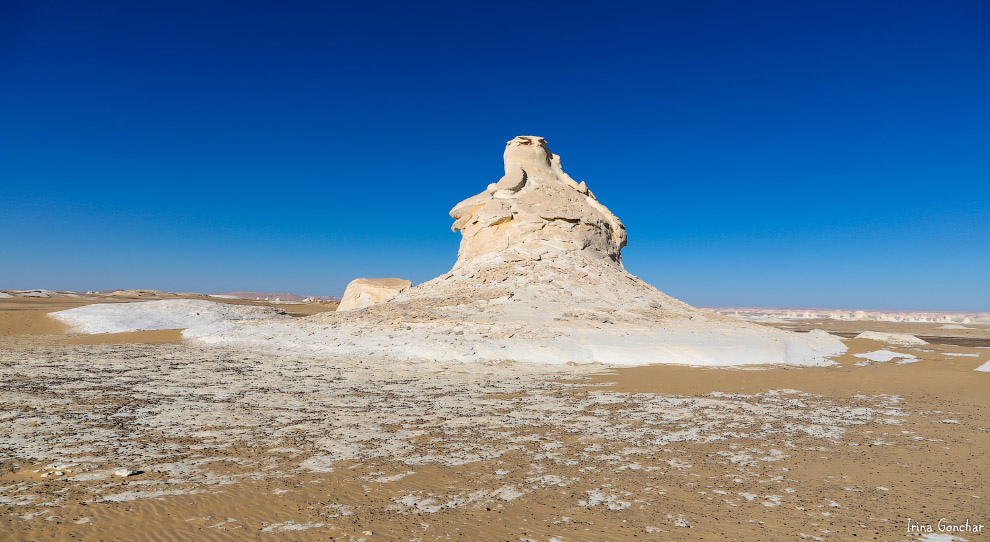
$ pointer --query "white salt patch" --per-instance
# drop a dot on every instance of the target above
(135, 495)
(152, 315)
(597, 497)
(960, 354)
(319, 463)
(420, 503)
(290, 526)
(985, 368)
(393, 478)
(507, 493)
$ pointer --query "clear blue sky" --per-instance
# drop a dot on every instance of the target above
(820, 154)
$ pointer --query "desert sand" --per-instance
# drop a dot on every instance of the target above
(237, 445)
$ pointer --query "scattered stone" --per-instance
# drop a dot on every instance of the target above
(126, 472)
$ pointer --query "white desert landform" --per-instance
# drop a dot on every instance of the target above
(489, 403)
(538, 278)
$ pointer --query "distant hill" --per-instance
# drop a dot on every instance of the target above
(269, 296)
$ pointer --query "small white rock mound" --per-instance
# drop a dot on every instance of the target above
(361, 293)
(154, 315)
(538, 278)
(892, 338)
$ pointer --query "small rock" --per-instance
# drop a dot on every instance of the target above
(125, 472)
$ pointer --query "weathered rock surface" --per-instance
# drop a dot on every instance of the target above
(361, 293)
(535, 209)
(538, 278)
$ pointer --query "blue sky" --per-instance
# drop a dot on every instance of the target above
(760, 153)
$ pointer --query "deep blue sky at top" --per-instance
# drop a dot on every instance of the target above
(827, 154)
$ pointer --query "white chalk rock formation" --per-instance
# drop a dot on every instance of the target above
(538, 278)
(892, 338)
(533, 210)
(155, 315)
(361, 293)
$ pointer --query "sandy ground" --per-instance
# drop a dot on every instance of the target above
(235, 445)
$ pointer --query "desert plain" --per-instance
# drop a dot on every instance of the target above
(230, 444)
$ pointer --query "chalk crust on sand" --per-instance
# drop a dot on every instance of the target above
(155, 315)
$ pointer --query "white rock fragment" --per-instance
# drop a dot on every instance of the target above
(125, 472)
(883, 355)
(361, 293)
(33, 293)
(892, 338)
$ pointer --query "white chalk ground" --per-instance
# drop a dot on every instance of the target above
(985, 368)
(686, 345)
(155, 315)
(892, 338)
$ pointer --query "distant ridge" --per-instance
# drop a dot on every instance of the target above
(269, 296)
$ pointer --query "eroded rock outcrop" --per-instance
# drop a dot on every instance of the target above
(534, 209)
(361, 293)
(538, 278)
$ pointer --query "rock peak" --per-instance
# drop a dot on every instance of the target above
(534, 211)
(527, 151)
